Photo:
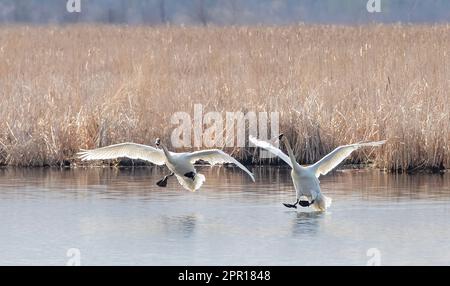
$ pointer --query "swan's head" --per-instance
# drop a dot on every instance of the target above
(281, 136)
(158, 142)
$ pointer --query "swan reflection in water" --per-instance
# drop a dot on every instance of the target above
(307, 223)
(184, 225)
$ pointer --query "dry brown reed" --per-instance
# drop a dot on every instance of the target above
(66, 88)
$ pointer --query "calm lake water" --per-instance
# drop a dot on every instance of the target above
(119, 217)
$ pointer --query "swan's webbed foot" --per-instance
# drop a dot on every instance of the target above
(290, 206)
(305, 204)
(190, 175)
(294, 206)
(163, 182)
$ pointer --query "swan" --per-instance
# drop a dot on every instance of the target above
(179, 164)
(306, 179)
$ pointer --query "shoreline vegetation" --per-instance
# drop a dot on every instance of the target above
(127, 164)
(68, 88)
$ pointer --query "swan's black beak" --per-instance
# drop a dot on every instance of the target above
(280, 136)
(158, 142)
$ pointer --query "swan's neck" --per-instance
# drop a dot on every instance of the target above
(166, 151)
(290, 153)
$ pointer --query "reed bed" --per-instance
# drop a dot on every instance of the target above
(66, 88)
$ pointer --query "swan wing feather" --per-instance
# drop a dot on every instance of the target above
(215, 156)
(272, 149)
(330, 161)
(124, 150)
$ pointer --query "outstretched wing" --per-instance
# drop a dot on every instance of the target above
(215, 156)
(272, 149)
(330, 161)
(127, 150)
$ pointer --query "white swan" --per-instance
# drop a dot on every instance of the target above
(180, 164)
(305, 179)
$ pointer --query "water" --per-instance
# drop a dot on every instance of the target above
(119, 217)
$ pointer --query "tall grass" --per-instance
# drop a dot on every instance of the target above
(66, 88)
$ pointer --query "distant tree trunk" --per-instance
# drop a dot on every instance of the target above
(123, 13)
(162, 11)
(234, 11)
(22, 11)
(202, 14)
(118, 13)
